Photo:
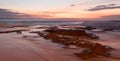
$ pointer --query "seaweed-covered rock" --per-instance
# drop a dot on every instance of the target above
(95, 51)
(75, 37)
(68, 32)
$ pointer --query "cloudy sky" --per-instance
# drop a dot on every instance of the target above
(77, 9)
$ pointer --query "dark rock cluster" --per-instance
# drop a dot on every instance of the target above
(95, 51)
(15, 30)
(76, 37)
(69, 32)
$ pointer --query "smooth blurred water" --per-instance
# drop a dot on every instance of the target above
(39, 22)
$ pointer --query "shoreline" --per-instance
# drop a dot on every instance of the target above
(28, 45)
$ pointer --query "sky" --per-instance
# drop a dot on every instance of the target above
(52, 9)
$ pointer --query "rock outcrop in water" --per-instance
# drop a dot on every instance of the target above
(95, 51)
(19, 31)
(76, 38)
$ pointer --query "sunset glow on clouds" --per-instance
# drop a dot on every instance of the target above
(80, 9)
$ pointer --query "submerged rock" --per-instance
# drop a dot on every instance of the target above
(76, 38)
(69, 37)
(108, 29)
(68, 32)
(92, 36)
(95, 51)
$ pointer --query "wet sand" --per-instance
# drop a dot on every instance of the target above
(109, 38)
(15, 48)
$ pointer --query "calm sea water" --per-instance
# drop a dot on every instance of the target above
(39, 22)
(98, 24)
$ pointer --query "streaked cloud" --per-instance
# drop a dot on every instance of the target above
(72, 5)
(104, 7)
(60, 15)
(110, 17)
(6, 13)
(48, 14)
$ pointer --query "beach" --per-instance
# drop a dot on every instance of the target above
(59, 30)
(14, 48)
(30, 45)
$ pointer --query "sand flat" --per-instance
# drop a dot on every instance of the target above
(13, 48)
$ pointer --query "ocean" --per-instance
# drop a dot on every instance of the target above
(39, 22)
(97, 24)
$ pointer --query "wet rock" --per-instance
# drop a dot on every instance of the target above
(86, 54)
(13, 30)
(95, 51)
(19, 32)
(69, 37)
(75, 38)
(90, 28)
(68, 32)
(100, 50)
(92, 36)
(108, 29)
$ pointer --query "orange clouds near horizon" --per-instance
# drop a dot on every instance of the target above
(75, 11)
(76, 14)
(64, 13)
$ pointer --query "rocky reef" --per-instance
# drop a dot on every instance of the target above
(12, 30)
(95, 51)
(78, 39)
